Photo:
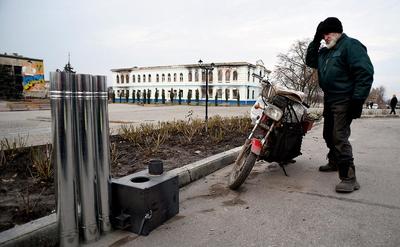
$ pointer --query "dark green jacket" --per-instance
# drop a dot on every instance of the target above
(344, 71)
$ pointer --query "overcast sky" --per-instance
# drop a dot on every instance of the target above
(104, 34)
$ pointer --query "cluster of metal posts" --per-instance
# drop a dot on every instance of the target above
(81, 155)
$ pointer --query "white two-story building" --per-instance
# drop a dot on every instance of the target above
(227, 82)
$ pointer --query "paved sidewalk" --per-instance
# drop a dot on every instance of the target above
(300, 210)
(273, 210)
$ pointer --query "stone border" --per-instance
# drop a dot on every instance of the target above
(40, 232)
(44, 232)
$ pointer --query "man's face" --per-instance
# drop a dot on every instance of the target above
(328, 37)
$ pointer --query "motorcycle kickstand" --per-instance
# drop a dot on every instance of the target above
(282, 165)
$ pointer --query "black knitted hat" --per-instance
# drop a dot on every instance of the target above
(332, 25)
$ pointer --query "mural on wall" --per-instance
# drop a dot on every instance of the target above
(33, 76)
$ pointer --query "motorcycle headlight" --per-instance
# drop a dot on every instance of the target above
(273, 112)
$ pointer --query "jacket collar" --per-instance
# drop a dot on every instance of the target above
(342, 37)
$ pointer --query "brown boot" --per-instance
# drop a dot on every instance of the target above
(349, 183)
(330, 167)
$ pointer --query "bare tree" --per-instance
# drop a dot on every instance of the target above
(376, 95)
(293, 72)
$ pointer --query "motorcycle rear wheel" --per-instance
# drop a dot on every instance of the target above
(242, 167)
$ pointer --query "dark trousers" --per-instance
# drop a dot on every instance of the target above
(393, 110)
(337, 120)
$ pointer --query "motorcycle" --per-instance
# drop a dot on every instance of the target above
(280, 121)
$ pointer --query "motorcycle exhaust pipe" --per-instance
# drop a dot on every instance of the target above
(64, 150)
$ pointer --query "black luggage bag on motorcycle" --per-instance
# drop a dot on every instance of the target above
(286, 140)
(286, 143)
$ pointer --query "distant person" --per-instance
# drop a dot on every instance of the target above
(345, 75)
(371, 104)
(393, 104)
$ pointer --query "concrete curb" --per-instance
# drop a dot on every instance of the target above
(44, 231)
(40, 232)
(204, 167)
(380, 116)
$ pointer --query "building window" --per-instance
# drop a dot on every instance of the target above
(162, 77)
(196, 75)
(190, 76)
(169, 77)
(117, 79)
(122, 78)
(127, 78)
(235, 76)
(133, 78)
(235, 93)
(210, 76)
(144, 78)
(228, 75)
(203, 92)
(219, 93)
(181, 77)
(149, 76)
(138, 78)
(210, 92)
(148, 93)
(203, 76)
(248, 75)
(174, 76)
(227, 93)
(157, 78)
(252, 94)
(219, 75)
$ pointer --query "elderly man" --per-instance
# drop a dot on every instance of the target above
(345, 75)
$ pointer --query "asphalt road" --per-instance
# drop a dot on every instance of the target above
(34, 127)
(300, 210)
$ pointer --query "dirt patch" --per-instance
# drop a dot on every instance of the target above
(25, 195)
(235, 201)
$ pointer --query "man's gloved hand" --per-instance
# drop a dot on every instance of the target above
(318, 33)
(356, 106)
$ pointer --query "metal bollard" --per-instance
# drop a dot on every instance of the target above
(102, 151)
(63, 125)
(85, 140)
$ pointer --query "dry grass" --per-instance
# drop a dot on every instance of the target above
(42, 163)
(149, 137)
(10, 148)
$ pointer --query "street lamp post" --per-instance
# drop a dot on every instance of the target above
(207, 69)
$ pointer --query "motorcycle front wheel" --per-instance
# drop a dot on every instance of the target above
(242, 167)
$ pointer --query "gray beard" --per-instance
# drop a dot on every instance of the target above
(333, 42)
